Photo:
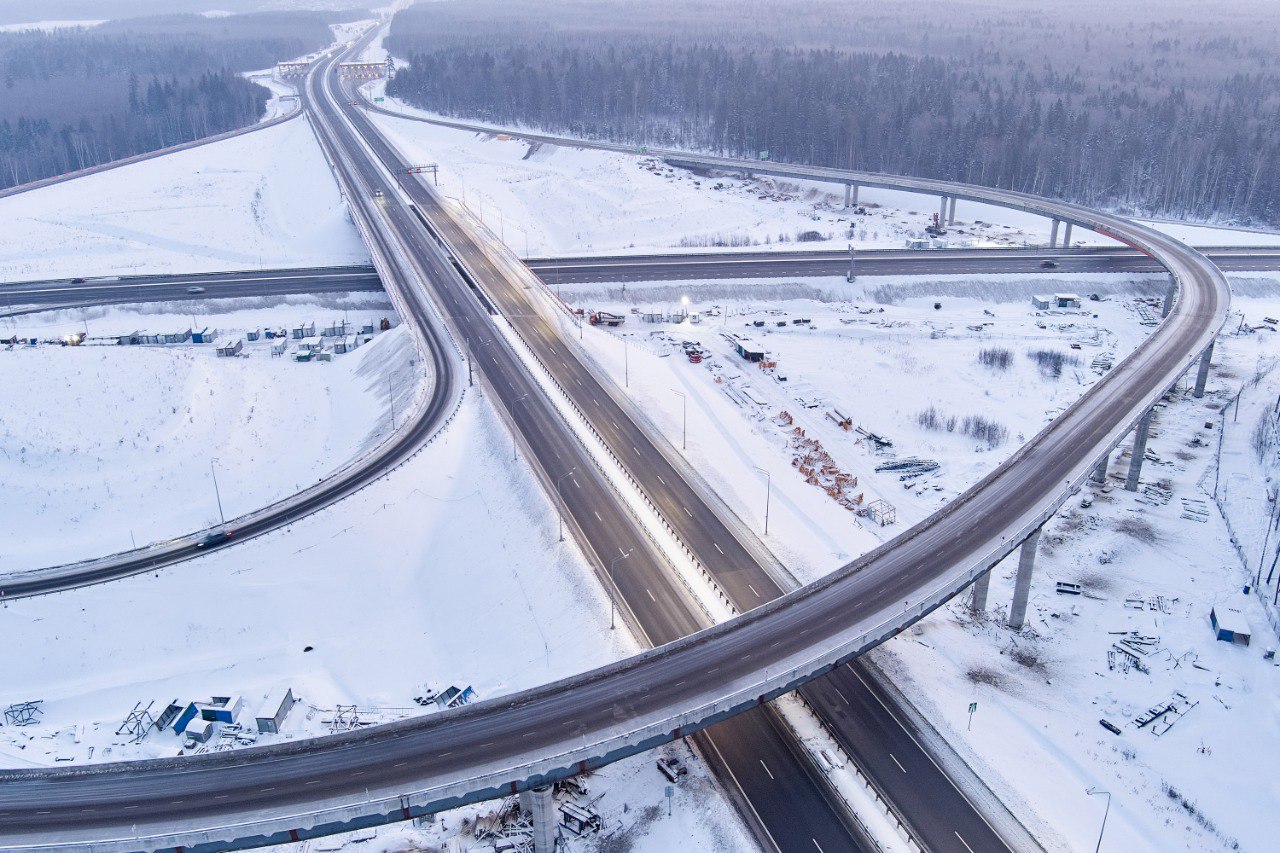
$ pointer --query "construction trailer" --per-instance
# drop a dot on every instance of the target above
(306, 330)
(273, 711)
(1066, 300)
(204, 336)
(279, 348)
(1230, 625)
(749, 349)
(1042, 303)
(227, 348)
(253, 334)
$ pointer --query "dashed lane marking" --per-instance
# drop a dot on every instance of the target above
(766, 768)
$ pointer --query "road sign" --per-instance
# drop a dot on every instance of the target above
(378, 100)
(973, 706)
(671, 792)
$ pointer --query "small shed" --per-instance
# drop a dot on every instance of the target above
(1230, 625)
(311, 344)
(204, 336)
(253, 334)
(652, 317)
(345, 344)
(1066, 300)
(278, 348)
(178, 337)
(199, 731)
(1042, 303)
(302, 354)
(749, 349)
(273, 711)
(227, 348)
(306, 330)
(336, 329)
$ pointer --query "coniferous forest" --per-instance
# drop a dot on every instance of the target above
(1171, 113)
(75, 98)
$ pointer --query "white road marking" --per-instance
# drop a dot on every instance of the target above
(841, 695)
(651, 598)
(753, 589)
(662, 481)
(766, 768)
(598, 518)
(897, 762)
(717, 547)
(962, 841)
(686, 512)
(816, 844)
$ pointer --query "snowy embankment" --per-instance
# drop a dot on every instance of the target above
(264, 199)
(120, 450)
(1151, 565)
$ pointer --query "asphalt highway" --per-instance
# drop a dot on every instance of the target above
(45, 295)
(476, 751)
(876, 262)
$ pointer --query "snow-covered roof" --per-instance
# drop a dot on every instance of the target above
(1231, 620)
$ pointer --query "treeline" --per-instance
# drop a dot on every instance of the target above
(75, 98)
(1171, 119)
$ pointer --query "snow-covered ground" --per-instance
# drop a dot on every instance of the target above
(1147, 565)
(118, 451)
(264, 199)
(549, 200)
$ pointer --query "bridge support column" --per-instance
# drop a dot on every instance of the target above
(850, 195)
(1202, 375)
(1053, 235)
(1169, 296)
(942, 210)
(951, 212)
(978, 592)
(1099, 474)
(1139, 451)
(1022, 584)
(1066, 237)
(538, 802)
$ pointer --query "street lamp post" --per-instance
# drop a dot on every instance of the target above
(684, 419)
(768, 492)
(612, 599)
(216, 493)
(560, 495)
(1104, 815)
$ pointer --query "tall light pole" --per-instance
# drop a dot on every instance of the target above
(216, 493)
(560, 495)
(1104, 815)
(768, 491)
(684, 419)
(612, 601)
(626, 373)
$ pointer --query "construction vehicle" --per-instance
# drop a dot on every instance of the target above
(935, 229)
(604, 318)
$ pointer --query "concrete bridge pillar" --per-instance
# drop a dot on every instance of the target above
(1022, 583)
(1202, 375)
(1066, 237)
(942, 210)
(1169, 296)
(850, 195)
(538, 802)
(978, 596)
(1139, 451)
(1099, 474)
(951, 213)
(1053, 235)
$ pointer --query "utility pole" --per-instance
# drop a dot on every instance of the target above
(768, 491)
(612, 599)
(684, 418)
(560, 495)
(850, 277)
(216, 494)
(391, 397)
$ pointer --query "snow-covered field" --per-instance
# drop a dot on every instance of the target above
(549, 200)
(1147, 565)
(264, 199)
(118, 450)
